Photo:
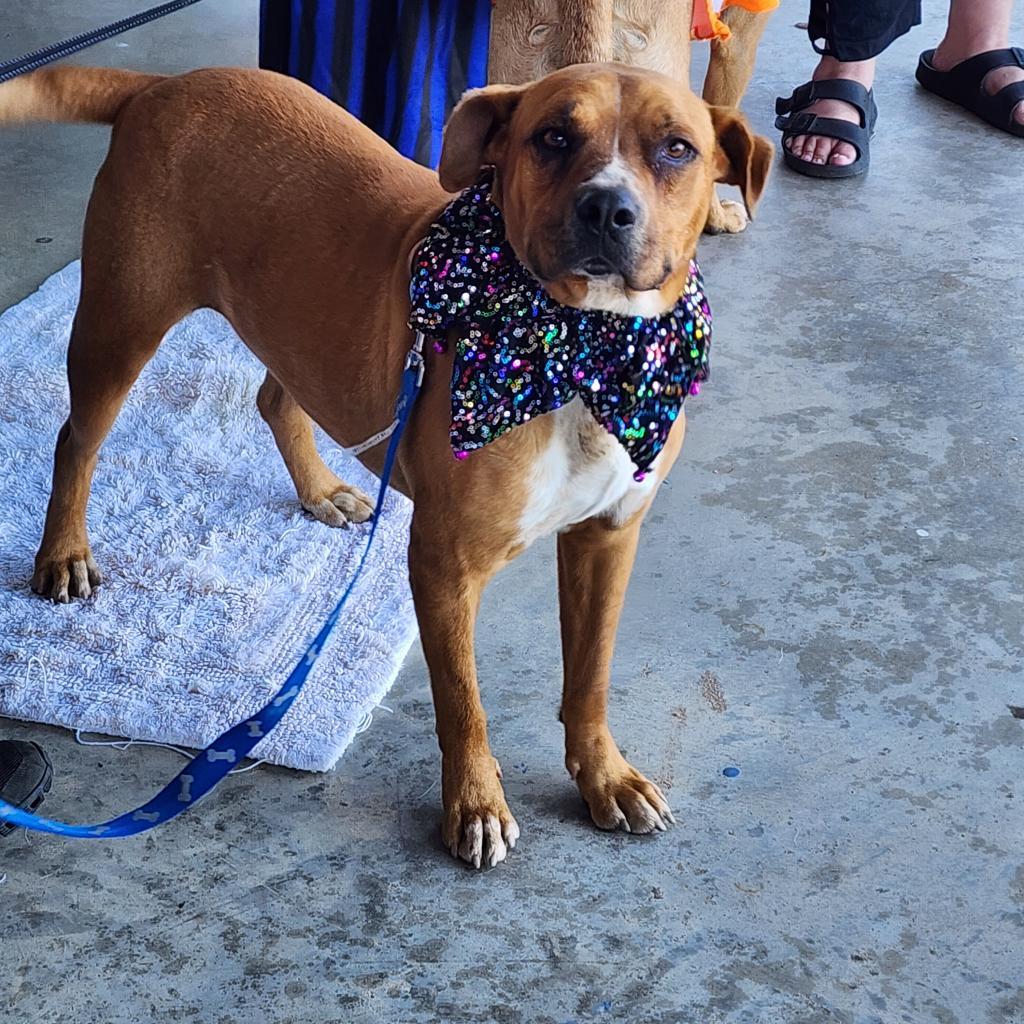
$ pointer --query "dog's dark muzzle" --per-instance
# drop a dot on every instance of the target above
(606, 230)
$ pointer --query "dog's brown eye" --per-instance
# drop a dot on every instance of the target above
(678, 149)
(554, 139)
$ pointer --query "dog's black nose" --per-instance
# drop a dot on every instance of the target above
(607, 212)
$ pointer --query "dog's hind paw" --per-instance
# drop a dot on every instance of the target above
(726, 217)
(343, 506)
(62, 578)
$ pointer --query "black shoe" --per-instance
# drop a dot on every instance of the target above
(25, 776)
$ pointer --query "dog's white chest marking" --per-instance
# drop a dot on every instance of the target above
(584, 472)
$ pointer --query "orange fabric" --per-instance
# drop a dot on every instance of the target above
(706, 24)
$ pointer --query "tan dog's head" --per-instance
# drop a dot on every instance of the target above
(604, 174)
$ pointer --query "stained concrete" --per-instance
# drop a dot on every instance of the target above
(827, 597)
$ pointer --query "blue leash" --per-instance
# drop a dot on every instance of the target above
(208, 768)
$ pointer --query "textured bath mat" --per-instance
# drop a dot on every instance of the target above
(215, 577)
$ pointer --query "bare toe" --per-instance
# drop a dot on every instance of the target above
(843, 154)
(821, 150)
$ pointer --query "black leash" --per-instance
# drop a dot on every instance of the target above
(58, 51)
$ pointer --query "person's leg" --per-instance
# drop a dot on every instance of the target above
(976, 26)
(849, 35)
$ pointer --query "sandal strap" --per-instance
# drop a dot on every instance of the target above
(964, 84)
(805, 123)
(844, 89)
(1007, 98)
(970, 72)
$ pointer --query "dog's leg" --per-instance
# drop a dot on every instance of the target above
(105, 356)
(727, 78)
(321, 493)
(477, 826)
(595, 560)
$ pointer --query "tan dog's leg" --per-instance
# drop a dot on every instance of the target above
(106, 355)
(595, 560)
(477, 826)
(728, 75)
(321, 493)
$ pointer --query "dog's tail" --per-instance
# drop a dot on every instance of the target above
(70, 93)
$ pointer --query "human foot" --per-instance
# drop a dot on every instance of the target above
(980, 32)
(824, 149)
(993, 69)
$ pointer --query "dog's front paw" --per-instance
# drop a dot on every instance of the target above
(61, 577)
(618, 796)
(726, 216)
(343, 505)
(478, 827)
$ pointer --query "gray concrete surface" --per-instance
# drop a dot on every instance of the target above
(828, 596)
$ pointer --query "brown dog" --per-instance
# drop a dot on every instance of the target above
(249, 193)
(532, 38)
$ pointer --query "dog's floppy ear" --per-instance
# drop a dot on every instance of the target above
(743, 158)
(473, 135)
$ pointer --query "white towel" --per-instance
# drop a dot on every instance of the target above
(215, 579)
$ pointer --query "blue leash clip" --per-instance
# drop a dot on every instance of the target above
(207, 769)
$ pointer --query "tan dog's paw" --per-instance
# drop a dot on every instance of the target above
(61, 578)
(726, 216)
(343, 506)
(478, 827)
(618, 796)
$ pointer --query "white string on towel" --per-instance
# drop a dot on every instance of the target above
(35, 661)
(367, 720)
(125, 744)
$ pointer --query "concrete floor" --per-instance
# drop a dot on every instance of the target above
(827, 596)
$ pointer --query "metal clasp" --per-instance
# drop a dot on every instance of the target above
(414, 358)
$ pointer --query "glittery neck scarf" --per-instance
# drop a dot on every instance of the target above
(521, 354)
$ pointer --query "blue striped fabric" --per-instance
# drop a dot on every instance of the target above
(321, 73)
(398, 65)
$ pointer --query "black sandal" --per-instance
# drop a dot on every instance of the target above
(793, 119)
(25, 776)
(963, 84)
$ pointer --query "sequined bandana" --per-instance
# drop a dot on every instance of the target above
(521, 354)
